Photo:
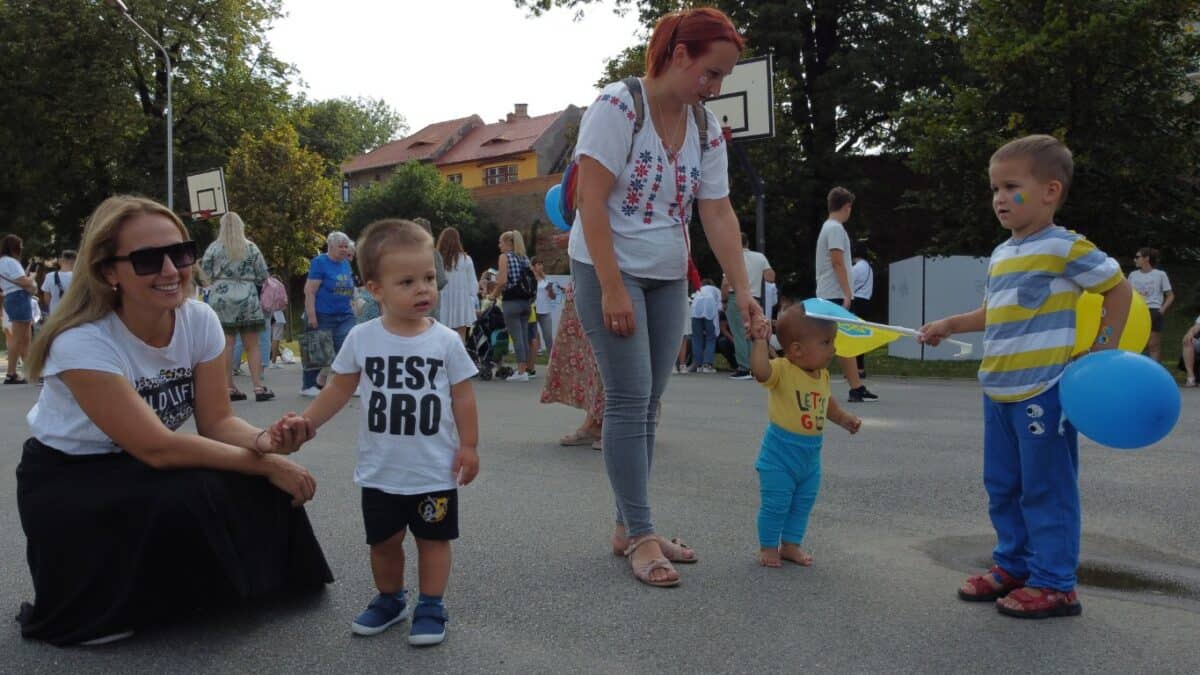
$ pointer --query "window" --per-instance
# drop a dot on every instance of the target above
(495, 175)
(454, 178)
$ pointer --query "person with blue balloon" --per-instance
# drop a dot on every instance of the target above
(1030, 448)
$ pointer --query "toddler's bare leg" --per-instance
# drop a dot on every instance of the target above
(387, 564)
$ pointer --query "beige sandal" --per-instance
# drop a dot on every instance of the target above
(674, 550)
(643, 571)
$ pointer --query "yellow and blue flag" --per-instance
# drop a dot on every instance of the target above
(857, 336)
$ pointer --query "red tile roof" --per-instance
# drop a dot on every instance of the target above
(499, 139)
(418, 146)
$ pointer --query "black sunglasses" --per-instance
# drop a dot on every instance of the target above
(147, 261)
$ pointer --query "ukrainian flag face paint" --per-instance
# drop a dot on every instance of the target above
(1019, 198)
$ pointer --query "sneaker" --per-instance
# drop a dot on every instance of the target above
(311, 392)
(384, 611)
(274, 366)
(518, 377)
(707, 369)
(428, 625)
(740, 374)
(682, 370)
(107, 639)
(861, 394)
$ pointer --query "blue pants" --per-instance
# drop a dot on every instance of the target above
(1031, 472)
(741, 343)
(264, 346)
(339, 325)
(704, 341)
(789, 475)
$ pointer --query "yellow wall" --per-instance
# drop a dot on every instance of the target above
(472, 172)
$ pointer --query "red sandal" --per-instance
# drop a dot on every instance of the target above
(1049, 603)
(984, 591)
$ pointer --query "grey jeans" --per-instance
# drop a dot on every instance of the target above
(635, 371)
(516, 322)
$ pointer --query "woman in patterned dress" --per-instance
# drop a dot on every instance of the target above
(235, 269)
(572, 377)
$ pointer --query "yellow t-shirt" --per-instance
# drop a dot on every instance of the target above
(797, 401)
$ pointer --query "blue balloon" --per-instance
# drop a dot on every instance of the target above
(554, 207)
(1120, 399)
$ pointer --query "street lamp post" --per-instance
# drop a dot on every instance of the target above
(119, 5)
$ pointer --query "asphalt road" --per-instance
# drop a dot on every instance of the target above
(900, 518)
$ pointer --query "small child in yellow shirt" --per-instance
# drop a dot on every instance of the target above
(798, 403)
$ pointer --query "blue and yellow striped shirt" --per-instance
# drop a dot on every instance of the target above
(1032, 287)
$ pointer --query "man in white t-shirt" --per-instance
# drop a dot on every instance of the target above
(833, 275)
(756, 265)
(56, 282)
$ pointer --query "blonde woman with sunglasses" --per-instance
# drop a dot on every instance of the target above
(127, 516)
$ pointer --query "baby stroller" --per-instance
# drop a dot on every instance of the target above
(487, 343)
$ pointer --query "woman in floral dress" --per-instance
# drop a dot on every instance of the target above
(572, 377)
(235, 269)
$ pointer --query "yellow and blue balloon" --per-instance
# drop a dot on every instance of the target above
(554, 207)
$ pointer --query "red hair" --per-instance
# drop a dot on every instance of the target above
(694, 28)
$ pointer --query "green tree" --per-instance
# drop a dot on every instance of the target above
(414, 190)
(1107, 77)
(340, 128)
(83, 110)
(282, 193)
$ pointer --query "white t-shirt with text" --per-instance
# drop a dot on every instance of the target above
(162, 376)
(407, 437)
(51, 285)
(756, 264)
(543, 304)
(651, 199)
(832, 237)
(1152, 286)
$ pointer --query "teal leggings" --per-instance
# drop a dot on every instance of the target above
(789, 475)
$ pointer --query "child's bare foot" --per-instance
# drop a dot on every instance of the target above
(769, 557)
(793, 553)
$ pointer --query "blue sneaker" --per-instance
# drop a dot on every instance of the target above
(383, 611)
(428, 625)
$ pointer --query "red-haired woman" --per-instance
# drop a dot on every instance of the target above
(629, 250)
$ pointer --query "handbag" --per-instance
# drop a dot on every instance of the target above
(316, 349)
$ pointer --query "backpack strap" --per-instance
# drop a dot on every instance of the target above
(701, 116)
(639, 110)
(58, 283)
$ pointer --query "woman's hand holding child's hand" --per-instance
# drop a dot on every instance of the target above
(289, 433)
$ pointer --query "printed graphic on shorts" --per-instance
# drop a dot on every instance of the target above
(433, 509)
(171, 394)
(812, 407)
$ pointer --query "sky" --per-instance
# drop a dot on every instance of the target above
(435, 60)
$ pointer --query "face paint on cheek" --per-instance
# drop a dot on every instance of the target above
(1019, 198)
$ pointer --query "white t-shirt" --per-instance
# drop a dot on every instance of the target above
(162, 376)
(770, 298)
(706, 303)
(10, 267)
(544, 304)
(862, 279)
(651, 199)
(1152, 286)
(756, 264)
(407, 437)
(49, 286)
(832, 237)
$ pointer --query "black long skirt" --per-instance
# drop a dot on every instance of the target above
(114, 544)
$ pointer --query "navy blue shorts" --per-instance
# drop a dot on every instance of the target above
(17, 306)
(431, 515)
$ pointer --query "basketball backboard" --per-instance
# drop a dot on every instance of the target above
(746, 103)
(206, 194)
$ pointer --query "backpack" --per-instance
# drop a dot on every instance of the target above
(526, 287)
(273, 296)
(568, 202)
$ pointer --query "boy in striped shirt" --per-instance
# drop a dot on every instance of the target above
(1030, 451)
